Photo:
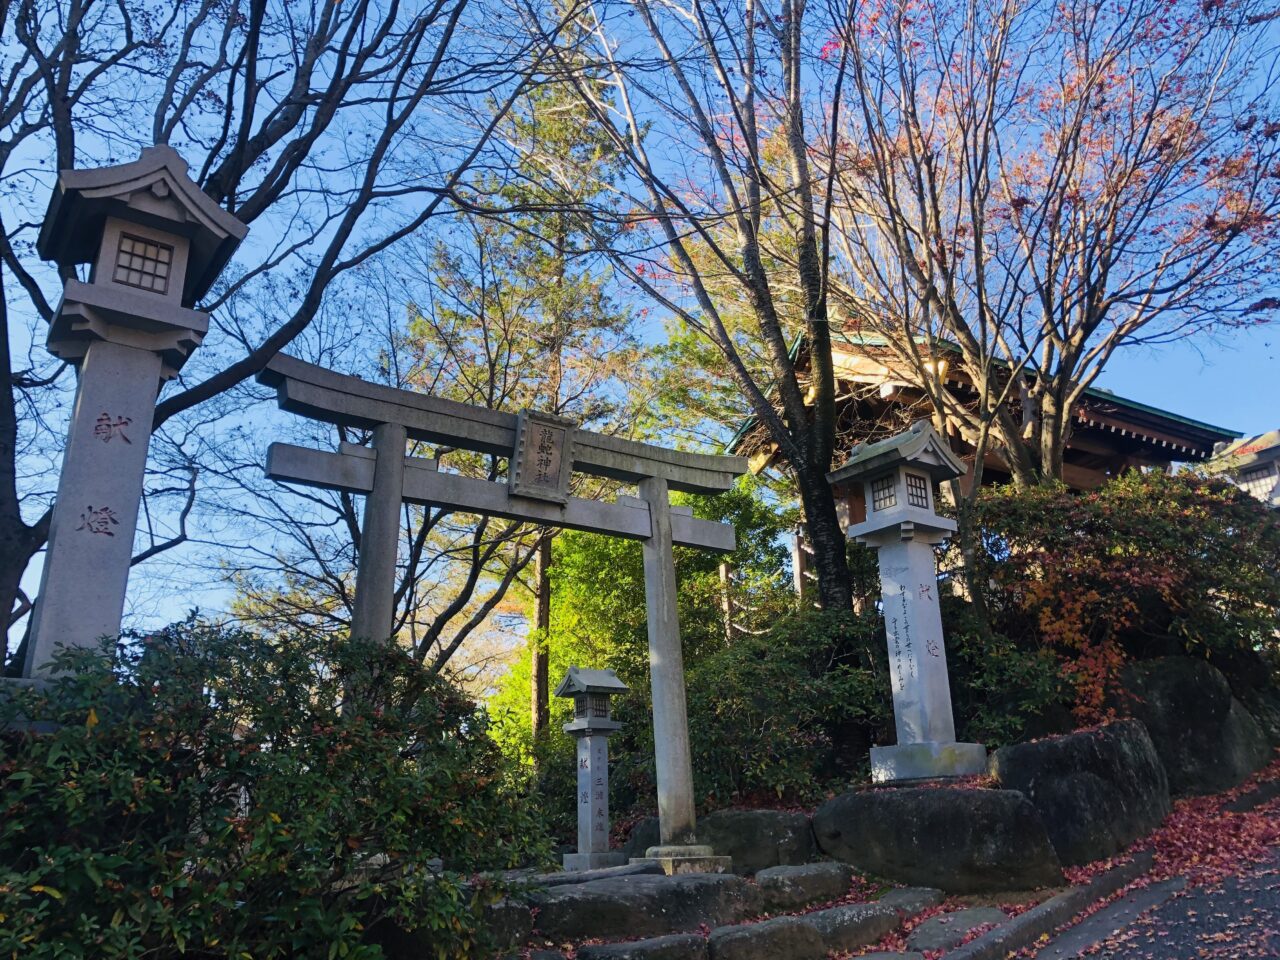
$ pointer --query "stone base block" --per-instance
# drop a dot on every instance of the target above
(927, 761)
(694, 858)
(594, 861)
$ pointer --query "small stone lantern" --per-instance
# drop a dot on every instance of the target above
(901, 525)
(591, 725)
(154, 243)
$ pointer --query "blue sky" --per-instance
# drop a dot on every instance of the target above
(1231, 382)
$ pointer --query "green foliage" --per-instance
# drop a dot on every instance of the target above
(1002, 692)
(1148, 564)
(765, 711)
(214, 794)
(768, 709)
(598, 604)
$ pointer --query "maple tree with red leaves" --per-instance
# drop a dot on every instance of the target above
(1023, 188)
(1019, 187)
(1148, 564)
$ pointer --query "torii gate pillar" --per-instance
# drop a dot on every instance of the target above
(678, 851)
(543, 450)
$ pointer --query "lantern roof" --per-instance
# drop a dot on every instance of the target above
(918, 446)
(155, 190)
(578, 681)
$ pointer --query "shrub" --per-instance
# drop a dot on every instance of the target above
(1003, 692)
(213, 794)
(1147, 564)
(768, 712)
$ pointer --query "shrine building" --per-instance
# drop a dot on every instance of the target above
(1110, 433)
(1253, 464)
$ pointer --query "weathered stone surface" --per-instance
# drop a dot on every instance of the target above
(530, 879)
(947, 930)
(642, 836)
(671, 863)
(790, 888)
(906, 762)
(1096, 791)
(639, 906)
(679, 946)
(1246, 741)
(506, 923)
(882, 955)
(1205, 738)
(909, 901)
(784, 938)
(961, 840)
(757, 839)
(853, 925)
(1264, 706)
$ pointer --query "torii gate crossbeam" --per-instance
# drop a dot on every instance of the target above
(544, 451)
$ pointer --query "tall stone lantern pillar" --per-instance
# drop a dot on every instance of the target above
(898, 477)
(155, 244)
(591, 725)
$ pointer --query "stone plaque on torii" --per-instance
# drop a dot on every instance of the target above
(544, 451)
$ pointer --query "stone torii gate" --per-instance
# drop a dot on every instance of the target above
(544, 451)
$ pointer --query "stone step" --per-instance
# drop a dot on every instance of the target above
(679, 946)
(948, 930)
(810, 936)
(652, 905)
(640, 906)
(804, 936)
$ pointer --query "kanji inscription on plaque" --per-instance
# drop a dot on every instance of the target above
(543, 457)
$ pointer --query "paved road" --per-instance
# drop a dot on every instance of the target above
(1237, 919)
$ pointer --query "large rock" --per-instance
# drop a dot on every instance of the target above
(757, 839)
(1206, 739)
(1264, 706)
(1096, 791)
(962, 840)
(790, 888)
(784, 938)
(642, 836)
(640, 906)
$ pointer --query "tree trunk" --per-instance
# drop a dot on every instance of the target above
(1053, 424)
(830, 559)
(539, 692)
(726, 600)
(18, 543)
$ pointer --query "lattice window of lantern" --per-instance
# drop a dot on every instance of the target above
(600, 705)
(143, 264)
(883, 495)
(917, 491)
(1259, 482)
(580, 706)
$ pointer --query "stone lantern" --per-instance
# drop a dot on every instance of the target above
(591, 724)
(154, 243)
(902, 526)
